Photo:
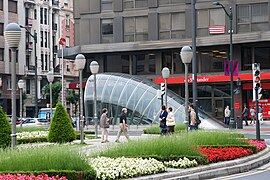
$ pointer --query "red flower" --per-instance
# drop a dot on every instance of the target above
(261, 145)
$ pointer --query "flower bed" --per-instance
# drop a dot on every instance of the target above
(181, 163)
(224, 153)
(115, 168)
(31, 176)
(261, 145)
(34, 134)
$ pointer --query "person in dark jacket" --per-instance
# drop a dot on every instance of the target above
(162, 120)
(245, 114)
(123, 127)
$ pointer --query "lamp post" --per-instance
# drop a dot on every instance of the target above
(186, 56)
(12, 35)
(165, 74)
(34, 36)
(94, 67)
(232, 124)
(21, 86)
(62, 41)
(50, 78)
(80, 63)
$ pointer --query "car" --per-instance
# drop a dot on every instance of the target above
(18, 121)
(35, 122)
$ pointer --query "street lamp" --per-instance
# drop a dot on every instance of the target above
(80, 63)
(62, 41)
(186, 56)
(50, 78)
(94, 67)
(232, 124)
(21, 86)
(12, 35)
(34, 36)
(165, 74)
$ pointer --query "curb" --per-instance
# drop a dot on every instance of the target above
(217, 169)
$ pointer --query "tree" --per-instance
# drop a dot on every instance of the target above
(5, 130)
(56, 89)
(74, 98)
(61, 129)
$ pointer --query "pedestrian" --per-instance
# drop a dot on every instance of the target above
(227, 115)
(192, 114)
(245, 114)
(170, 121)
(260, 114)
(123, 127)
(104, 125)
(252, 114)
(162, 120)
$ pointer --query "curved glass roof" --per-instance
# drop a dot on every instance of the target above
(138, 95)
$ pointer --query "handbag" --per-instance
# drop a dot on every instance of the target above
(162, 125)
(107, 125)
(171, 123)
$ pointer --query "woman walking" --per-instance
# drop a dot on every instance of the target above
(104, 125)
(170, 121)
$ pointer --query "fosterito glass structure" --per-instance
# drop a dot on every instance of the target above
(138, 95)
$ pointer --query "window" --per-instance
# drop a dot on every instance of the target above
(45, 16)
(130, 4)
(46, 62)
(9, 84)
(66, 2)
(107, 30)
(67, 21)
(67, 41)
(172, 26)
(162, 2)
(35, 14)
(106, 5)
(1, 5)
(42, 62)
(252, 17)
(28, 86)
(141, 3)
(41, 15)
(41, 38)
(209, 17)
(1, 54)
(46, 39)
(135, 29)
(12, 6)
(1, 29)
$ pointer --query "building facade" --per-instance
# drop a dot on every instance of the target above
(140, 37)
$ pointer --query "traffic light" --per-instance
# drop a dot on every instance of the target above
(162, 88)
(256, 80)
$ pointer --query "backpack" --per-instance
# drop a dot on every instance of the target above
(198, 121)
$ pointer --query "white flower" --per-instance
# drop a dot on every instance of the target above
(181, 163)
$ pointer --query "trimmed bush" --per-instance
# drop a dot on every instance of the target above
(61, 129)
(5, 130)
(179, 127)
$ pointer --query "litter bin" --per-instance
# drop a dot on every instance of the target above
(239, 122)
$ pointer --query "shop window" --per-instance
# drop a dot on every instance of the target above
(172, 26)
(252, 17)
(246, 55)
(107, 30)
(135, 29)
(262, 56)
(125, 64)
(12, 6)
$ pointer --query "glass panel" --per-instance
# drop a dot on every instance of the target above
(127, 93)
(217, 17)
(117, 90)
(167, 60)
(128, 4)
(202, 19)
(141, 37)
(141, 24)
(133, 100)
(259, 27)
(108, 88)
(178, 21)
(164, 22)
(107, 39)
(141, 3)
(178, 34)
(164, 35)
(152, 64)
(129, 38)
(107, 26)
(259, 12)
(262, 56)
(177, 63)
(243, 28)
(106, 5)
(243, 13)
(129, 25)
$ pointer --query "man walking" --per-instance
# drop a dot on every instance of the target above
(227, 115)
(123, 125)
(245, 114)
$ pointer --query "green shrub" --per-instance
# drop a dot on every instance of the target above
(32, 140)
(5, 130)
(61, 129)
(29, 129)
(179, 127)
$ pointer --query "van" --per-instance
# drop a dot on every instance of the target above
(44, 113)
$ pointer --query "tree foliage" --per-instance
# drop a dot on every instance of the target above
(61, 129)
(5, 130)
(74, 98)
(56, 89)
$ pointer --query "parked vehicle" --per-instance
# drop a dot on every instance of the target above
(35, 122)
(44, 113)
(18, 121)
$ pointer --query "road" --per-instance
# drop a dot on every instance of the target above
(261, 173)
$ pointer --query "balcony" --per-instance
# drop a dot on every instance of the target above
(30, 2)
(29, 46)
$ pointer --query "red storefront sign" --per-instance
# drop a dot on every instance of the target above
(265, 103)
(237, 105)
(211, 79)
(76, 85)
